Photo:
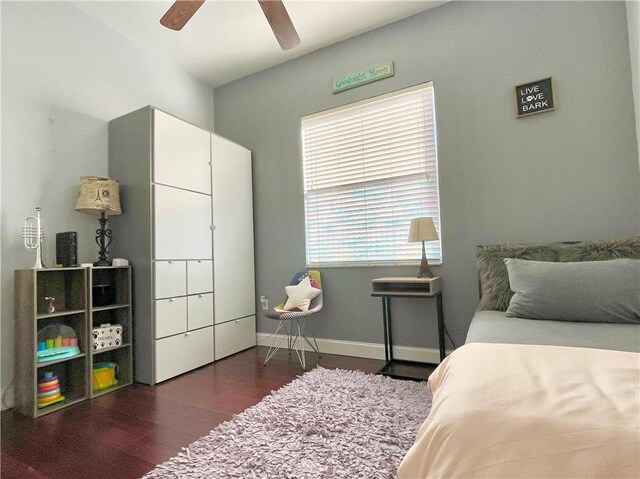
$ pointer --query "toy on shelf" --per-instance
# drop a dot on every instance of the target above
(107, 336)
(33, 234)
(63, 344)
(50, 307)
(49, 390)
(104, 375)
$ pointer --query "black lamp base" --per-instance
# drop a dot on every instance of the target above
(102, 263)
(104, 237)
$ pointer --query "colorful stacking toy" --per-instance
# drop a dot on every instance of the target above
(49, 390)
(63, 345)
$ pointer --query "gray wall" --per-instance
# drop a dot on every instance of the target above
(64, 76)
(569, 174)
(633, 22)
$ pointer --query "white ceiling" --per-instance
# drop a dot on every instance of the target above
(226, 40)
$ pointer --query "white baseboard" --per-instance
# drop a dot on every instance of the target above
(363, 350)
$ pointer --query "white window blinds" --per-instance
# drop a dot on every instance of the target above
(370, 167)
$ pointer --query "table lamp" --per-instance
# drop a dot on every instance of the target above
(100, 196)
(423, 229)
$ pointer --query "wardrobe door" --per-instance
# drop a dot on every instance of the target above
(199, 276)
(182, 224)
(171, 316)
(170, 279)
(181, 154)
(183, 352)
(233, 233)
(200, 307)
(234, 336)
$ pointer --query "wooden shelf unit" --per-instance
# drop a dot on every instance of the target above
(57, 314)
(69, 288)
(118, 312)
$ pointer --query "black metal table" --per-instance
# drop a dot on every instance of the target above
(404, 287)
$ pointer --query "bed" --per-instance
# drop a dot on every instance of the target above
(540, 396)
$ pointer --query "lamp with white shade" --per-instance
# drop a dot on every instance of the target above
(100, 196)
(423, 229)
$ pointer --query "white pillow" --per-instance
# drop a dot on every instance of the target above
(300, 295)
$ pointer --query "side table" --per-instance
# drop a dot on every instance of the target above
(406, 287)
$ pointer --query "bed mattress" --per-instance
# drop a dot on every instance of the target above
(529, 411)
(495, 327)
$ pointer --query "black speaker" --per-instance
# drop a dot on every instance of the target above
(67, 249)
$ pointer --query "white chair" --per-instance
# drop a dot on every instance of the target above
(293, 324)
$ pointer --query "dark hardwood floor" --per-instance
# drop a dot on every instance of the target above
(125, 434)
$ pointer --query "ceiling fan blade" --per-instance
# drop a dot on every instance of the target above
(180, 13)
(280, 23)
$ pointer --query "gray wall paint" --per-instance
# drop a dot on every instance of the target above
(64, 76)
(570, 174)
(633, 22)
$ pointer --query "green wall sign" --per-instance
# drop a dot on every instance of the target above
(363, 76)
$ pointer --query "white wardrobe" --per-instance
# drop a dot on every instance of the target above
(187, 229)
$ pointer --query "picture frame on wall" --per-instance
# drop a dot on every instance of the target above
(534, 97)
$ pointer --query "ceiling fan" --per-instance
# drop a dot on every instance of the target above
(181, 12)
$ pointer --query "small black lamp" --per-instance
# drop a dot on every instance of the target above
(100, 196)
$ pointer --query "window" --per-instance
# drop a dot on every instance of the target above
(369, 167)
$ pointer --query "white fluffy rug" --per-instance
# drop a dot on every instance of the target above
(329, 423)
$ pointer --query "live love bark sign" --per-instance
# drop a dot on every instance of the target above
(534, 97)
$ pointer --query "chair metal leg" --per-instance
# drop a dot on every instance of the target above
(316, 348)
(306, 337)
(302, 336)
(273, 349)
(301, 323)
(293, 333)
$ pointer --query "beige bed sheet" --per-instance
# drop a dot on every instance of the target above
(530, 411)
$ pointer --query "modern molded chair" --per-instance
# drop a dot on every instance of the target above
(293, 323)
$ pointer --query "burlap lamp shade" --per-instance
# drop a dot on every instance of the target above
(99, 194)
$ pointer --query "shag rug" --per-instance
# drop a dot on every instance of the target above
(328, 423)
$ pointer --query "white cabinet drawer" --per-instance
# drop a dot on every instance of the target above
(200, 311)
(170, 279)
(234, 336)
(181, 154)
(184, 352)
(199, 276)
(171, 316)
(182, 221)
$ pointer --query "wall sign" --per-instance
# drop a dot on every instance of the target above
(363, 76)
(534, 97)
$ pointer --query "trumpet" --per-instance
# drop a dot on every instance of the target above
(33, 234)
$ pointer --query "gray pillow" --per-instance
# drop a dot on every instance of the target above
(494, 280)
(594, 291)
